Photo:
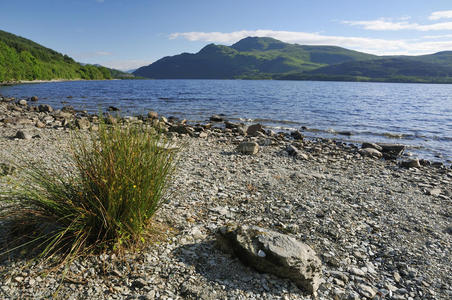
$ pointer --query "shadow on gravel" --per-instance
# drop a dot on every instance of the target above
(228, 153)
(225, 270)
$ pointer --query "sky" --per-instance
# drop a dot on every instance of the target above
(126, 34)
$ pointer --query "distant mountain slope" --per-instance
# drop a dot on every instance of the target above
(259, 58)
(386, 67)
(23, 59)
(389, 69)
(251, 57)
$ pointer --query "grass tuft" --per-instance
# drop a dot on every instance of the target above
(119, 179)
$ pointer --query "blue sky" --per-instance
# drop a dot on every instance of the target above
(128, 34)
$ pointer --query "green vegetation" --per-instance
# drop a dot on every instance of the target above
(249, 58)
(22, 59)
(267, 58)
(118, 181)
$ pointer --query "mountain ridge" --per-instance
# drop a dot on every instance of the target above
(269, 58)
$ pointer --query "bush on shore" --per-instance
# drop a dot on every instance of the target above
(120, 175)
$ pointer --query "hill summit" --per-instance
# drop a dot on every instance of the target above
(269, 58)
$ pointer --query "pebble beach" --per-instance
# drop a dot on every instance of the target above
(382, 229)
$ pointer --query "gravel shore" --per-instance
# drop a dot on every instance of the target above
(381, 231)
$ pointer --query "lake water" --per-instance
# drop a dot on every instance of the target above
(418, 115)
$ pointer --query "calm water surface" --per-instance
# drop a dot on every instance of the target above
(419, 115)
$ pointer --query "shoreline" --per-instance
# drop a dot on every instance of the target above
(8, 83)
(379, 228)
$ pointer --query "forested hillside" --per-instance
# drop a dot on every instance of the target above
(22, 59)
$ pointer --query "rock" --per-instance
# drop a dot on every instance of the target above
(68, 109)
(34, 98)
(357, 271)
(13, 107)
(181, 129)
(23, 102)
(139, 283)
(203, 134)
(372, 146)
(241, 131)
(153, 115)
(230, 125)
(22, 135)
(83, 123)
(347, 133)
(434, 192)
(248, 148)
(45, 108)
(39, 124)
(296, 135)
(370, 152)
(280, 254)
(366, 291)
(293, 151)
(113, 108)
(392, 150)
(411, 163)
(254, 129)
(216, 118)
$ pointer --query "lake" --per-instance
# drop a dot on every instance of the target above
(418, 115)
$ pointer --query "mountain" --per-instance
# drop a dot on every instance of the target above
(23, 59)
(268, 58)
(252, 57)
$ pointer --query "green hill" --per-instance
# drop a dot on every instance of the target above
(251, 57)
(388, 69)
(268, 58)
(23, 59)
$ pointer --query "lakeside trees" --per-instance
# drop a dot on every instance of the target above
(22, 59)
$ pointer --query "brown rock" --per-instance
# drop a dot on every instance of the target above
(254, 129)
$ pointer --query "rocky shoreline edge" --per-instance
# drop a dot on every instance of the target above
(381, 228)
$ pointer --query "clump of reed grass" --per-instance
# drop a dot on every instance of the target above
(119, 179)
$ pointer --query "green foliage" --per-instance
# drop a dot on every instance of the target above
(22, 59)
(121, 175)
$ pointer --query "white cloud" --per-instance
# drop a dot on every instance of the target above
(382, 24)
(388, 25)
(443, 14)
(369, 45)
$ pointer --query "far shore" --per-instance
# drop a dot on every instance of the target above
(47, 81)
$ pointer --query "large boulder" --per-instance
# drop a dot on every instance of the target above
(272, 252)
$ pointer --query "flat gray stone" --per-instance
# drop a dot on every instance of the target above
(272, 252)
(248, 148)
